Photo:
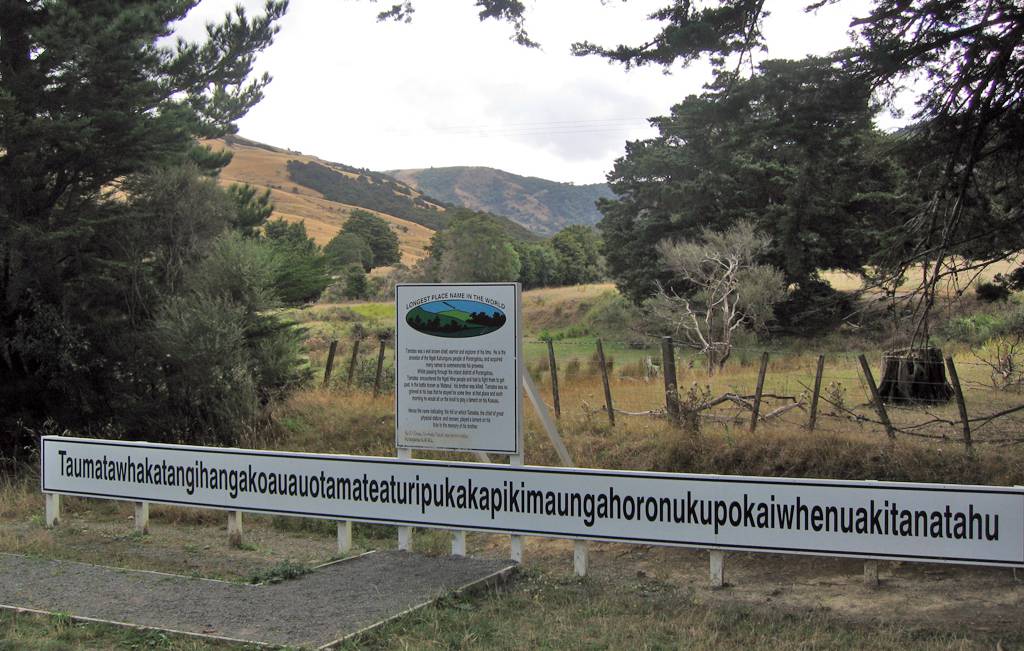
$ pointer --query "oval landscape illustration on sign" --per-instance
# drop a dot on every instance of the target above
(455, 318)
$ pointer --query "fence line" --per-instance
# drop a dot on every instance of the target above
(826, 384)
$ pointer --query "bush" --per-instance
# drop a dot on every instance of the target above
(813, 308)
(218, 356)
(992, 292)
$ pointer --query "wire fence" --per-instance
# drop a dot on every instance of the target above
(926, 397)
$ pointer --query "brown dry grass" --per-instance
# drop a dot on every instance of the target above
(265, 169)
(847, 282)
(557, 307)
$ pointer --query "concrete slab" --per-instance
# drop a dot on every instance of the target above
(333, 602)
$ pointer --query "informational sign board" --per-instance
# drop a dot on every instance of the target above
(889, 520)
(458, 364)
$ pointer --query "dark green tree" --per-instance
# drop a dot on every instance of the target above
(791, 149)
(252, 210)
(377, 234)
(301, 270)
(474, 248)
(356, 283)
(91, 103)
(538, 264)
(346, 248)
(969, 122)
(578, 249)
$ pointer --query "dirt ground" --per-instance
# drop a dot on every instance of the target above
(925, 595)
(915, 595)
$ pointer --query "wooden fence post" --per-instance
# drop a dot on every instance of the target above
(875, 398)
(758, 391)
(380, 369)
(817, 393)
(607, 388)
(668, 363)
(352, 363)
(958, 392)
(330, 361)
(554, 378)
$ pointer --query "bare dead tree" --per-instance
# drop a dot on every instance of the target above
(728, 290)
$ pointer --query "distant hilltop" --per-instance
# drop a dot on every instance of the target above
(544, 207)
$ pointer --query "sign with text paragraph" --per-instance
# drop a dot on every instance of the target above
(458, 362)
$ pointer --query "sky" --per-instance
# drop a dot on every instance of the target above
(448, 89)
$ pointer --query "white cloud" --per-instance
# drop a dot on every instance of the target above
(448, 89)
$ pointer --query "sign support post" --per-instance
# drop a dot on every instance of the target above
(405, 533)
(142, 517)
(52, 510)
(344, 537)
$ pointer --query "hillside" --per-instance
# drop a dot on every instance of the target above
(264, 166)
(545, 207)
(381, 193)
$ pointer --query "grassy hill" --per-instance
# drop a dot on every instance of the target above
(545, 207)
(324, 193)
(381, 193)
(264, 166)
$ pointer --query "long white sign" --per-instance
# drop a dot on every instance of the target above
(458, 352)
(920, 522)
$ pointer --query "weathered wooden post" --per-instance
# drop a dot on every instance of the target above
(668, 363)
(961, 405)
(758, 391)
(352, 363)
(875, 398)
(817, 393)
(330, 361)
(554, 378)
(380, 368)
(607, 387)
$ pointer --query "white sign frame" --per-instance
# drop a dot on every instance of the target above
(509, 426)
(717, 492)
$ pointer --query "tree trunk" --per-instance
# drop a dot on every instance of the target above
(914, 376)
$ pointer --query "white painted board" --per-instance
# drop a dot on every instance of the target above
(885, 520)
(458, 360)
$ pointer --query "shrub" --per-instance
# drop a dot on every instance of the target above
(992, 292)
(813, 308)
(218, 355)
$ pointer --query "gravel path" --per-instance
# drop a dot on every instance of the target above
(316, 609)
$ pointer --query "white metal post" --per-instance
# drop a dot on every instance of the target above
(235, 528)
(405, 533)
(871, 574)
(458, 543)
(717, 568)
(516, 542)
(52, 509)
(344, 537)
(580, 557)
(142, 517)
